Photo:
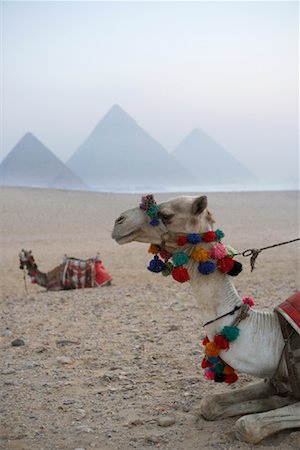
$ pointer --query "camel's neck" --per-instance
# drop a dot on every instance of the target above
(258, 348)
(39, 277)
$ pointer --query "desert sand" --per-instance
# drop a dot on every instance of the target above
(101, 367)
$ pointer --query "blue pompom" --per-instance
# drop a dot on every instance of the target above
(193, 238)
(154, 222)
(207, 267)
(213, 359)
(156, 265)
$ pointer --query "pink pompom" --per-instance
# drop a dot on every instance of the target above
(209, 374)
(218, 251)
(249, 301)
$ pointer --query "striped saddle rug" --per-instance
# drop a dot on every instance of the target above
(288, 314)
(88, 273)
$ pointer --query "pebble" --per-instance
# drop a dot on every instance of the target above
(69, 402)
(17, 342)
(64, 360)
(84, 429)
(153, 439)
(166, 421)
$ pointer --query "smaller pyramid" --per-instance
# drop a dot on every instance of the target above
(30, 163)
(209, 162)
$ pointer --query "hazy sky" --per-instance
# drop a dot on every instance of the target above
(230, 68)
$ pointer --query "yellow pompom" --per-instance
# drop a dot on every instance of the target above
(153, 249)
(199, 255)
(212, 350)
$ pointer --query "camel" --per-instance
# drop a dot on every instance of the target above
(265, 407)
(73, 273)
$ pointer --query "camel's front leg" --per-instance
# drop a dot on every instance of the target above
(234, 403)
(252, 429)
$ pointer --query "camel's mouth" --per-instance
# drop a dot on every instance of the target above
(124, 239)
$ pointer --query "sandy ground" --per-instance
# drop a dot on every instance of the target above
(100, 366)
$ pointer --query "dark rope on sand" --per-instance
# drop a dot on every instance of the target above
(254, 252)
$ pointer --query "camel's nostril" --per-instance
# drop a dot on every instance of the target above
(120, 220)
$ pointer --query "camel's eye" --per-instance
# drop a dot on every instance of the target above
(165, 217)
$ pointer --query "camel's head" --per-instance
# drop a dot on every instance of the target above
(25, 258)
(185, 214)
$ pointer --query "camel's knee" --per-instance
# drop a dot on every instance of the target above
(210, 407)
(247, 429)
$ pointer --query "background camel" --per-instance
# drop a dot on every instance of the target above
(73, 273)
(260, 345)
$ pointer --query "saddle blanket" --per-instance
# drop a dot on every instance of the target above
(87, 273)
(288, 314)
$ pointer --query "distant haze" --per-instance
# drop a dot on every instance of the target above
(227, 68)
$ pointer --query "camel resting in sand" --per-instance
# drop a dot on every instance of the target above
(266, 407)
(73, 273)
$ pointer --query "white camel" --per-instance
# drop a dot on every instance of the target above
(259, 347)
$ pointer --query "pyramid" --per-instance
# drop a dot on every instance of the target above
(32, 164)
(120, 154)
(209, 162)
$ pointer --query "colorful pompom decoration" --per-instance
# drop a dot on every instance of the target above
(230, 333)
(154, 222)
(194, 238)
(148, 204)
(236, 269)
(231, 252)
(180, 274)
(219, 234)
(206, 267)
(181, 240)
(249, 301)
(209, 236)
(225, 265)
(156, 265)
(167, 270)
(214, 367)
(199, 254)
(154, 249)
(221, 342)
(180, 258)
(218, 251)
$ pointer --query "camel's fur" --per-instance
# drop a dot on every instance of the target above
(216, 295)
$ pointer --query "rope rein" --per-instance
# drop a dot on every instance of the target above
(254, 252)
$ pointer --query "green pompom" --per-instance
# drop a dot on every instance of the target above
(168, 269)
(231, 252)
(180, 258)
(230, 333)
(153, 210)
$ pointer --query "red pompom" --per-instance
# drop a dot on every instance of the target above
(232, 378)
(225, 265)
(205, 340)
(180, 274)
(205, 363)
(181, 240)
(209, 236)
(165, 255)
(221, 342)
(249, 301)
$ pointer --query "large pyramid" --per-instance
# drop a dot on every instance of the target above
(32, 164)
(210, 163)
(119, 154)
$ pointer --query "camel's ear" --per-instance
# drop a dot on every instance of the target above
(199, 205)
